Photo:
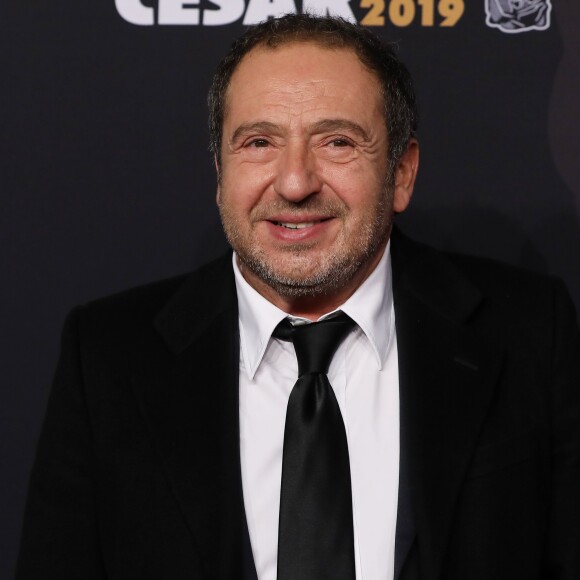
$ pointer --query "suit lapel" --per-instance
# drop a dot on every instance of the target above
(188, 395)
(447, 376)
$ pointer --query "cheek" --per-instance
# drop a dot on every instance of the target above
(246, 183)
(361, 190)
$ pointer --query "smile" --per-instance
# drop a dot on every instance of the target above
(295, 226)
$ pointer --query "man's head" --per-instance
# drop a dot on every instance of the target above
(396, 85)
(307, 178)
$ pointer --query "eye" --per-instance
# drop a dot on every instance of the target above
(339, 142)
(257, 143)
(338, 148)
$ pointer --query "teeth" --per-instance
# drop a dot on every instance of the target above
(296, 226)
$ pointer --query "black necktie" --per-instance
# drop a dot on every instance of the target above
(315, 537)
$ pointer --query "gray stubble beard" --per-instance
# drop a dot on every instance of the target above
(334, 272)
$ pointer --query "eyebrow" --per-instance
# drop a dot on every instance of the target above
(322, 126)
(332, 125)
(259, 127)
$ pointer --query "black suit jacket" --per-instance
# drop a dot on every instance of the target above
(137, 473)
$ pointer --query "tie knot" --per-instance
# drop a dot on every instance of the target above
(315, 343)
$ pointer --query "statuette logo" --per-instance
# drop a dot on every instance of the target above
(514, 16)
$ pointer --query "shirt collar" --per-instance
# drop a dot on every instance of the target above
(371, 307)
(258, 319)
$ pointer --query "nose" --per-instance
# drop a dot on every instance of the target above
(296, 173)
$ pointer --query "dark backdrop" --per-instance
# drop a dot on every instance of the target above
(106, 181)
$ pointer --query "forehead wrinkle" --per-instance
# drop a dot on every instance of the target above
(279, 95)
(304, 91)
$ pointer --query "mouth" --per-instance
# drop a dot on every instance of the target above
(295, 226)
(298, 225)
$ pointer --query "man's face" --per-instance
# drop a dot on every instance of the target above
(303, 190)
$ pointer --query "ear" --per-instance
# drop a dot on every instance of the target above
(217, 171)
(405, 176)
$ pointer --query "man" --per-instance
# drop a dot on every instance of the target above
(172, 443)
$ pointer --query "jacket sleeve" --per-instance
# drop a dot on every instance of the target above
(60, 533)
(564, 533)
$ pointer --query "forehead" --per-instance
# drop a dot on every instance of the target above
(306, 71)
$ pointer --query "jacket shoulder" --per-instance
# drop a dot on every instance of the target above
(491, 275)
(514, 287)
(133, 311)
(461, 285)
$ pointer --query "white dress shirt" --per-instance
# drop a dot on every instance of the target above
(364, 376)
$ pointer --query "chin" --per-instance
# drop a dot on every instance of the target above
(303, 276)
